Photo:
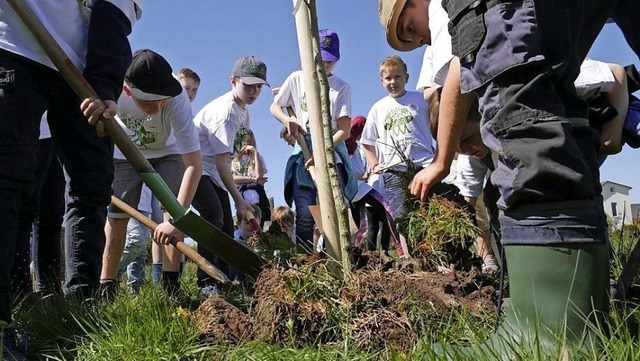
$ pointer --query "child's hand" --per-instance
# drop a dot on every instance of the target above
(93, 109)
(378, 168)
(164, 232)
(293, 128)
(308, 163)
(262, 180)
(425, 179)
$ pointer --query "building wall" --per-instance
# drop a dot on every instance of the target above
(616, 203)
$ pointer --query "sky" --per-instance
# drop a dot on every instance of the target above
(209, 36)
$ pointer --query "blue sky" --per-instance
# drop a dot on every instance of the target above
(209, 36)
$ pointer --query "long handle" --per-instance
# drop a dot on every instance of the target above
(210, 269)
(84, 90)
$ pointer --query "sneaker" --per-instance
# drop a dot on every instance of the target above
(10, 349)
(489, 266)
(210, 291)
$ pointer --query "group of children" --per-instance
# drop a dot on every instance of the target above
(533, 135)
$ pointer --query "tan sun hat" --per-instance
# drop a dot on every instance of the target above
(388, 13)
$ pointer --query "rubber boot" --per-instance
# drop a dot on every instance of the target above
(171, 283)
(555, 292)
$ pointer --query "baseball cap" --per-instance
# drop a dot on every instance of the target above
(251, 70)
(150, 77)
(329, 45)
(388, 13)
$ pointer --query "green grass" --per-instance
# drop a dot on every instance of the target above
(150, 326)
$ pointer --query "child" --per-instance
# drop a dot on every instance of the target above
(190, 82)
(242, 234)
(283, 220)
(221, 125)
(155, 112)
(397, 125)
(299, 186)
(248, 169)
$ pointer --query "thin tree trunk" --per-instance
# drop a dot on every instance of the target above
(331, 200)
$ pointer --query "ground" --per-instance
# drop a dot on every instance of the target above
(385, 304)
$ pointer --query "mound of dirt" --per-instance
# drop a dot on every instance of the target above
(382, 306)
(222, 323)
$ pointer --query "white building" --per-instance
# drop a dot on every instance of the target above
(616, 203)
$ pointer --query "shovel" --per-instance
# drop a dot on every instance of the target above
(203, 232)
(210, 269)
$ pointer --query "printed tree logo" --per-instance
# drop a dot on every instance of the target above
(397, 121)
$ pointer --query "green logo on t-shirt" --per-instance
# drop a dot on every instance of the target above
(303, 102)
(141, 137)
(239, 140)
(397, 121)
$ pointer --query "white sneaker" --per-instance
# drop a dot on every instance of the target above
(489, 266)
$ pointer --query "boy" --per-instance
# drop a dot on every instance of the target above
(299, 186)
(190, 82)
(221, 125)
(283, 220)
(397, 125)
(155, 112)
(534, 120)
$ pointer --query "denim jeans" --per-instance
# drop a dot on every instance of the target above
(135, 254)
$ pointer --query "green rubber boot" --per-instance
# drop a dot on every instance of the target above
(556, 293)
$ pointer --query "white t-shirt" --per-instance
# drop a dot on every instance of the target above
(67, 21)
(595, 77)
(435, 64)
(170, 131)
(400, 124)
(222, 125)
(292, 94)
(471, 174)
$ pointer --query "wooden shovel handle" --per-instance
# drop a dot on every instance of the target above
(205, 265)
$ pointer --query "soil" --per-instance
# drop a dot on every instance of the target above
(383, 306)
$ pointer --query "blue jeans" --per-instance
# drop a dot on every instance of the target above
(135, 254)
(26, 91)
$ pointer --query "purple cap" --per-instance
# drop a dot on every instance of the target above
(330, 45)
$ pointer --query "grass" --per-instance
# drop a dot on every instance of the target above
(150, 326)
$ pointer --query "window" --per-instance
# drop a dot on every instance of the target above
(612, 189)
(614, 209)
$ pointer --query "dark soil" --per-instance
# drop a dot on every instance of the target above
(385, 305)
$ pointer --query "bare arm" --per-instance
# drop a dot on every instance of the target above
(454, 108)
(290, 122)
(618, 96)
(188, 187)
(372, 158)
(344, 126)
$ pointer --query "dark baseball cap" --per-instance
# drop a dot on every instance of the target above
(250, 70)
(329, 45)
(150, 77)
